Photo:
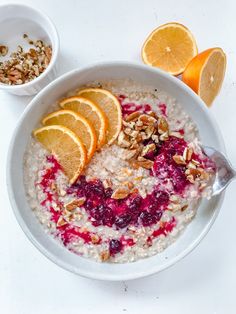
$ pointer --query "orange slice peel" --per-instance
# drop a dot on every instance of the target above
(110, 105)
(65, 146)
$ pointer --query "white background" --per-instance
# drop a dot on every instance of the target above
(205, 281)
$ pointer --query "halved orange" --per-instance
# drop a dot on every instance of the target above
(91, 112)
(169, 47)
(110, 105)
(65, 146)
(205, 73)
(77, 124)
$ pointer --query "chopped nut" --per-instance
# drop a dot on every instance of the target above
(155, 138)
(191, 165)
(75, 203)
(107, 183)
(129, 154)
(127, 172)
(3, 50)
(147, 119)
(164, 136)
(61, 222)
(153, 114)
(147, 164)
(143, 136)
(122, 140)
(134, 133)
(190, 178)
(148, 148)
(141, 158)
(195, 162)
(53, 186)
(129, 184)
(23, 67)
(134, 145)
(139, 123)
(120, 193)
(62, 192)
(95, 238)
(176, 134)
(130, 125)
(104, 255)
(179, 160)
(149, 131)
(133, 116)
(127, 131)
(195, 174)
(174, 207)
(163, 126)
(187, 154)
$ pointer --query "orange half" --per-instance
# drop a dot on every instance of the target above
(169, 47)
(205, 73)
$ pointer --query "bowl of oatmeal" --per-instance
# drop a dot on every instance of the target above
(142, 200)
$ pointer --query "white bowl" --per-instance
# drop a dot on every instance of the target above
(193, 234)
(16, 20)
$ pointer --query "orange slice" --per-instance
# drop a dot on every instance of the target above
(110, 105)
(205, 73)
(77, 124)
(91, 112)
(169, 47)
(65, 146)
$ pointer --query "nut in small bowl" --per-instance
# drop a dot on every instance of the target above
(28, 50)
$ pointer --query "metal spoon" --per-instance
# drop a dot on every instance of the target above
(224, 171)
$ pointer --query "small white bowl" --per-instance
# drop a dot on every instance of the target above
(16, 20)
(194, 233)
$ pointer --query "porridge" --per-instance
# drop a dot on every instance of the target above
(136, 195)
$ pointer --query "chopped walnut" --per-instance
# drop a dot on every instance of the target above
(133, 116)
(187, 154)
(148, 148)
(147, 164)
(107, 183)
(163, 126)
(179, 160)
(3, 50)
(24, 66)
(120, 193)
(75, 203)
(104, 255)
(95, 239)
(61, 222)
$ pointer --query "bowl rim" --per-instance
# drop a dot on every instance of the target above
(44, 250)
(54, 38)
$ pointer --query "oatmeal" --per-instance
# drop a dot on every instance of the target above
(135, 196)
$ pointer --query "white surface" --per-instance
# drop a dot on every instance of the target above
(205, 281)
